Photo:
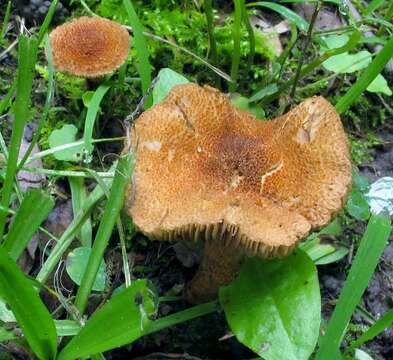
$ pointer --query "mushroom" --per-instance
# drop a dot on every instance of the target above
(89, 46)
(206, 171)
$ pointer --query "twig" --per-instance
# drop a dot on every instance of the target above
(304, 50)
(4, 53)
(139, 108)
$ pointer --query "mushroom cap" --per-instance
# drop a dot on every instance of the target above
(206, 170)
(89, 46)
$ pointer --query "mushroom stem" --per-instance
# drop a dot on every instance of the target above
(219, 266)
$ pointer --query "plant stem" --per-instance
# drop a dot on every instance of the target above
(251, 36)
(4, 103)
(236, 45)
(304, 50)
(182, 316)
(352, 42)
(68, 235)
(5, 21)
(366, 77)
(111, 213)
(210, 31)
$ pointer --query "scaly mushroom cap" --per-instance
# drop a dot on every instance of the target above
(206, 170)
(89, 46)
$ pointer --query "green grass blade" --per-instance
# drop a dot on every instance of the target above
(91, 116)
(372, 6)
(125, 315)
(139, 40)
(63, 328)
(48, 18)
(251, 36)
(69, 234)
(236, 31)
(33, 210)
(5, 101)
(379, 326)
(366, 77)
(48, 102)
(210, 31)
(30, 313)
(5, 21)
(78, 193)
(285, 12)
(112, 210)
(368, 254)
(26, 63)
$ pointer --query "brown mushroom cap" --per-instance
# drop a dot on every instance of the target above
(89, 46)
(206, 170)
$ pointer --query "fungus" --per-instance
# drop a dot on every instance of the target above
(89, 46)
(206, 171)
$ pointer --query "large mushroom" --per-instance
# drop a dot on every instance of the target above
(89, 46)
(206, 171)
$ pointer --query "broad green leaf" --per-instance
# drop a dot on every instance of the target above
(79, 196)
(370, 250)
(167, 79)
(315, 250)
(67, 327)
(334, 42)
(63, 328)
(33, 210)
(362, 355)
(66, 135)
(359, 182)
(334, 228)
(6, 315)
(6, 335)
(76, 264)
(348, 63)
(243, 103)
(86, 98)
(379, 85)
(274, 307)
(122, 320)
(336, 255)
(366, 77)
(266, 91)
(93, 109)
(30, 312)
(285, 12)
(357, 206)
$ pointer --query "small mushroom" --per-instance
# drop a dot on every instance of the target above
(206, 171)
(89, 46)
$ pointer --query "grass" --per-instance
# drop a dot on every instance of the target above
(204, 43)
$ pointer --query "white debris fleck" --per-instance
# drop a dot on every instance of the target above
(380, 195)
(152, 145)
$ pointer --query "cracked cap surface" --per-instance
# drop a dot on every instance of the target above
(206, 170)
(89, 46)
